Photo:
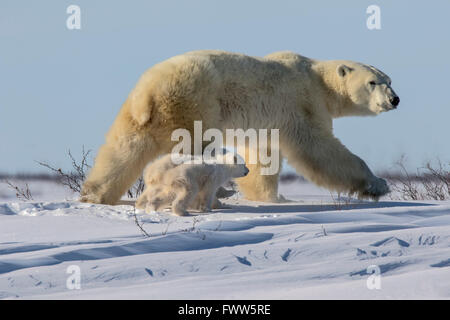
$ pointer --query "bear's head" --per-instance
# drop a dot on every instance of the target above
(368, 89)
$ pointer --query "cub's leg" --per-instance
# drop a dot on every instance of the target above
(185, 195)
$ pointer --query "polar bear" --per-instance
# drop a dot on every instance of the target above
(189, 182)
(155, 171)
(286, 91)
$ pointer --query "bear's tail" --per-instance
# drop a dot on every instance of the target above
(140, 104)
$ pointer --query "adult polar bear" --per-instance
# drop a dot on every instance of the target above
(285, 91)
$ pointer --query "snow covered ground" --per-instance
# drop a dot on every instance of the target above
(312, 247)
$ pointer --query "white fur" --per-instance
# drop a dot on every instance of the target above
(186, 185)
(286, 91)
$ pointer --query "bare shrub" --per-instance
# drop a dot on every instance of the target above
(341, 202)
(136, 190)
(436, 181)
(74, 178)
(430, 182)
(404, 183)
(139, 224)
(195, 229)
(23, 194)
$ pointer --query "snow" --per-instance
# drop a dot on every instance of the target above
(312, 247)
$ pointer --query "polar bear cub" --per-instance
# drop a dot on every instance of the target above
(192, 182)
(154, 173)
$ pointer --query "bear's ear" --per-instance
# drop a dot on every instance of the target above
(342, 70)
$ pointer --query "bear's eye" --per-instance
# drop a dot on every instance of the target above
(372, 83)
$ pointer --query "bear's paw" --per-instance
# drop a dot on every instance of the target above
(375, 188)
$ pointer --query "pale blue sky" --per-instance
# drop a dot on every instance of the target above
(61, 89)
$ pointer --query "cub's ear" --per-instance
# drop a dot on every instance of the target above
(342, 70)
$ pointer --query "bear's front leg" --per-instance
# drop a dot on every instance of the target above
(321, 158)
(118, 164)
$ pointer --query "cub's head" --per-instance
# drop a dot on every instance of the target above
(368, 88)
(234, 163)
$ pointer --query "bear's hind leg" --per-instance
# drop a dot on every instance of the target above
(257, 186)
(118, 164)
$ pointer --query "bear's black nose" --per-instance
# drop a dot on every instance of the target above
(395, 101)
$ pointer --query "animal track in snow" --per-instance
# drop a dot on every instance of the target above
(243, 260)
